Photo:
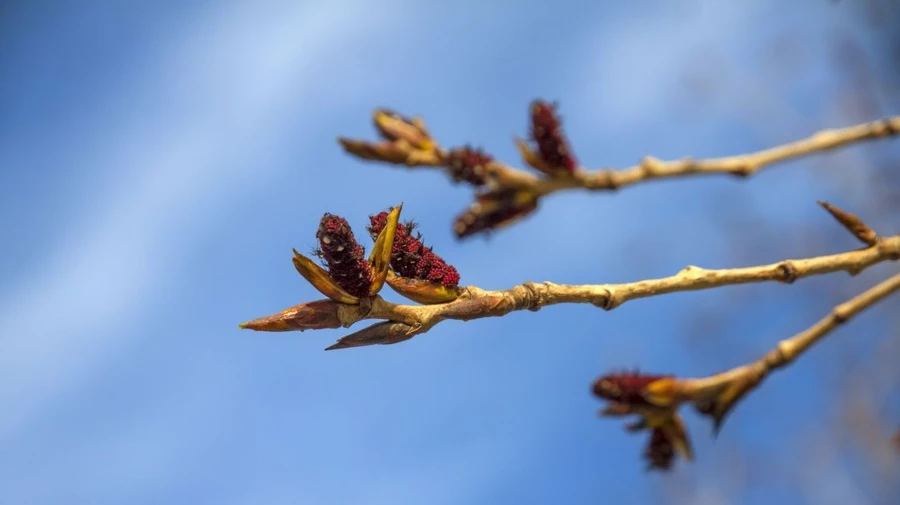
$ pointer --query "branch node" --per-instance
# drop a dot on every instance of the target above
(650, 165)
(891, 126)
(607, 301)
(533, 301)
(789, 272)
(745, 168)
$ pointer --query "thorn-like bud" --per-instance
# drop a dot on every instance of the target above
(552, 155)
(494, 210)
(380, 259)
(468, 164)
(388, 152)
(387, 332)
(852, 223)
(394, 127)
(316, 315)
(719, 406)
(424, 292)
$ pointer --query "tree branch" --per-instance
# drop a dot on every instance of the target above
(716, 395)
(508, 193)
(477, 303)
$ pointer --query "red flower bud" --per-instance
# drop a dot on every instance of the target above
(553, 152)
(633, 389)
(494, 210)
(345, 258)
(468, 164)
(410, 258)
(659, 452)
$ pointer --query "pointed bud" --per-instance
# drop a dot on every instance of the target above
(394, 127)
(380, 259)
(719, 406)
(494, 210)
(388, 152)
(852, 223)
(321, 280)
(388, 332)
(421, 291)
(316, 315)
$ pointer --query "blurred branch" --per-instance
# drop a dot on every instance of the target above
(717, 395)
(508, 193)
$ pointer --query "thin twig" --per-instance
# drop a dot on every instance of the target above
(477, 303)
(716, 395)
(651, 168)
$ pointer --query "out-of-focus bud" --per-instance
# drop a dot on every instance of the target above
(316, 315)
(494, 210)
(387, 332)
(468, 164)
(636, 389)
(553, 155)
(388, 152)
(394, 127)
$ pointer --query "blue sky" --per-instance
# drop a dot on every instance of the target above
(159, 160)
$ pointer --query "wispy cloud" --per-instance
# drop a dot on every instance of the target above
(229, 76)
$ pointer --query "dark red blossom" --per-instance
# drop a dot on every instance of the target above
(409, 256)
(628, 388)
(546, 132)
(468, 164)
(660, 452)
(494, 210)
(344, 257)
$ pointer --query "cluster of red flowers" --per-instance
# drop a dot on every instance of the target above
(409, 256)
(630, 393)
(468, 164)
(345, 258)
(546, 132)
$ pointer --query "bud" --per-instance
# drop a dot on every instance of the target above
(422, 275)
(424, 292)
(384, 333)
(315, 315)
(388, 152)
(494, 210)
(636, 389)
(380, 259)
(394, 127)
(553, 155)
(347, 264)
(468, 164)
(321, 280)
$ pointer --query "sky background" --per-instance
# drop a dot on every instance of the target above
(159, 160)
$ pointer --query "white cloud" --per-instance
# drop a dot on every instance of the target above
(231, 76)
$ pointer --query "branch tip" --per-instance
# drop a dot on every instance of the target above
(852, 223)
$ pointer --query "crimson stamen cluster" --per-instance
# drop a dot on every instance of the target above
(546, 132)
(409, 256)
(343, 255)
